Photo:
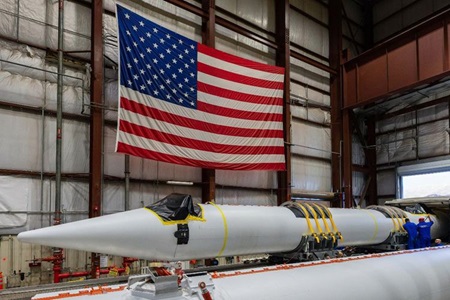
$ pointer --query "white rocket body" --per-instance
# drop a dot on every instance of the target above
(225, 231)
(408, 275)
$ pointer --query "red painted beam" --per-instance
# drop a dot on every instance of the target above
(96, 122)
(208, 38)
(416, 57)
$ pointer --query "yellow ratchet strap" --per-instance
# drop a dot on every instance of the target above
(398, 218)
(313, 212)
(319, 208)
(333, 224)
(308, 221)
(401, 215)
(392, 218)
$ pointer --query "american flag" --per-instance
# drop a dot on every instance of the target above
(184, 103)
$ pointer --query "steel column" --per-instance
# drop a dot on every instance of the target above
(208, 38)
(58, 252)
(59, 102)
(283, 55)
(208, 185)
(368, 24)
(209, 23)
(371, 161)
(347, 166)
(335, 46)
(96, 122)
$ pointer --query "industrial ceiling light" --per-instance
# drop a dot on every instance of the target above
(180, 182)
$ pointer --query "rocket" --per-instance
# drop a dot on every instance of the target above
(412, 274)
(175, 228)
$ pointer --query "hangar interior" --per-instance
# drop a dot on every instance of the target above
(366, 102)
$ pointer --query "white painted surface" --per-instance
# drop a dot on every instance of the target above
(413, 275)
(408, 275)
(227, 230)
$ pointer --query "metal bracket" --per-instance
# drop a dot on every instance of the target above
(149, 286)
(182, 234)
(191, 283)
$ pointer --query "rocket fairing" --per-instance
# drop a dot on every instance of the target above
(210, 230)
(412, 275)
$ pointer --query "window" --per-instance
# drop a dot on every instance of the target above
(430, 179)
(426, 185)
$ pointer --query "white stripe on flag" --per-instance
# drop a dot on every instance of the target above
(238, 69)
(238, 87)
(195, 134)
(198, 115)
(239, 105)
(140, 142)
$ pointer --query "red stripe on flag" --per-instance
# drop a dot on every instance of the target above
(238, 60)
(239, 96)
(230, 76)
(124, 148)
(196, 124)
(238, 114)
(196, 144)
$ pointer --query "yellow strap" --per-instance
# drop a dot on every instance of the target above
(392, 218)
(225, 227)
(401, 214)
(333, 224)
(308, 221)
(397, 218)
(305, 212)
(322, 214)
(325, 221)
(314, 216)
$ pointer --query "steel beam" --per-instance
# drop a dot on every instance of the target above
(311, 122)
(335, 46)
(371, 161)
(208, 38)
(312, 62)
(412, 59)
(96, 126)
(311, 157)
(347, 167)
(244, 31)
(283, 55)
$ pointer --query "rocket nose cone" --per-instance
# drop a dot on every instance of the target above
(125, 234)
(33, 236)
(28, 236)
(69, 235)
(23, 237)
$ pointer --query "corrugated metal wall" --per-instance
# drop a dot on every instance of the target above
(27, 119)
(390, 17)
